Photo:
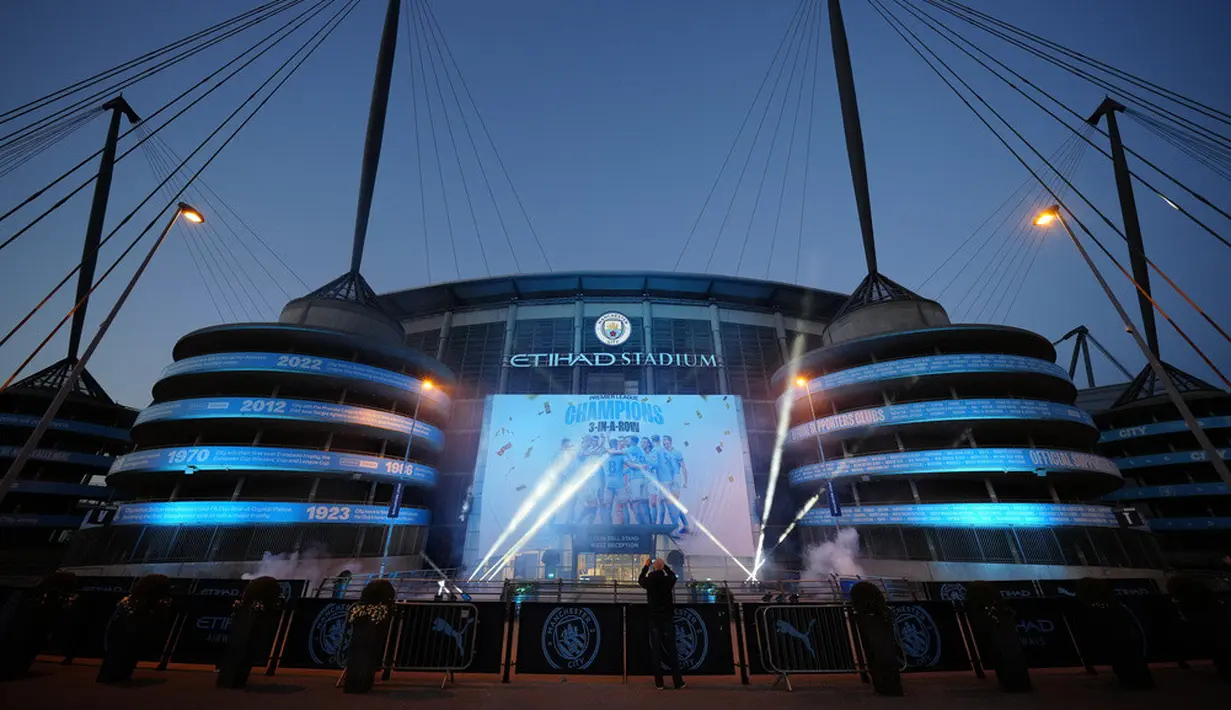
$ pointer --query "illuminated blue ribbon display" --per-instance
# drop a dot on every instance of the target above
(1169, 459)
(947, 410)
(27, 421)
(956, 461)
(200, 459)
(77, 459)
(1182, 490)
(306, 364)
(1184, 524)
(970, 515)
(34, 520)
(1134, 432)
(240, 512)
(58, 488)
(932, 365)
(289, 409)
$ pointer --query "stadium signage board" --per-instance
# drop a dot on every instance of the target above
(601, 359)
(612, 329)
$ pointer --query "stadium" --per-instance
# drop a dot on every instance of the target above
(364, 433)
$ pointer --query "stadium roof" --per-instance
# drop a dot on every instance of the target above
(790, 299)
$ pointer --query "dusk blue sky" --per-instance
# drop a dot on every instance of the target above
(612, 118)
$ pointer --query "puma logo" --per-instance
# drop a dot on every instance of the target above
(786, 628)
(445, 628)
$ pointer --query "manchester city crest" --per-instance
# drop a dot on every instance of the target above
(917, 636)
(953, 592)
(692, 640)
(613, 328)
(329, 639)
(571, 638)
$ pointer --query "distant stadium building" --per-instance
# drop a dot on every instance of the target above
(1170, 481)
(62, 483)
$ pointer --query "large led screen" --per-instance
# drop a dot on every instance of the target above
(600, 472)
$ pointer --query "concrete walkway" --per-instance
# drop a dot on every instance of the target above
(56, 686)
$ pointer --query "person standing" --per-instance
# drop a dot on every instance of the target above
(659, 583)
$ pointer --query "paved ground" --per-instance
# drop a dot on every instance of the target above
(55, 686)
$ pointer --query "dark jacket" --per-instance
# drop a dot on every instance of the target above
(658, 586)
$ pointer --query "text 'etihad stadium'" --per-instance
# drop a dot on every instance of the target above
(611, 359)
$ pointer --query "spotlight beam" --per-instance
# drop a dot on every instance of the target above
(780, 433)
(546, 482)
(700, 526)
(798, 516)
(565, 496)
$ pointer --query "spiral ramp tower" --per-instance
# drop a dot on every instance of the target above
(61, 483)
(955, 451)
(1169, 479)
(293, 443)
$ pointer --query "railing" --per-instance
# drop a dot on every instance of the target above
(724, 629)
(425, 585)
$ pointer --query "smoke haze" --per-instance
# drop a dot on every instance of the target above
(837, 557)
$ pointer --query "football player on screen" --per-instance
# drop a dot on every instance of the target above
(677, 473)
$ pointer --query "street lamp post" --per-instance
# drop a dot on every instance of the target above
(1053, 214)
(802, 382)
(189, 214)
(414, 422)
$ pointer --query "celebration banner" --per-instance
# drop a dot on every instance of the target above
(932, 365)
(616, 458)
(241, 512)
(970, 515)
(199, 459)
(942, 461)
(306, 364)
(947, 410)
(288, 409)
(27, 421)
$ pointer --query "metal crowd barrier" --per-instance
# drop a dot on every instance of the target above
(434, 636)
(805, 638)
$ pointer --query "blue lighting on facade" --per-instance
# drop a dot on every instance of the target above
(1134, 432)
(35, 520)
(947, 410)
(969, 515)
(201, 459)
(232, 513)
(289, 410)
(1189, 524)
(941, 461)
(59, 488)
(1182, 490)
(27, 421)
(51, 455)
(1167, 459)
(302, 364)
(932, 365)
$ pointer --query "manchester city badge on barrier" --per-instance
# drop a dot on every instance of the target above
(571, 638)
